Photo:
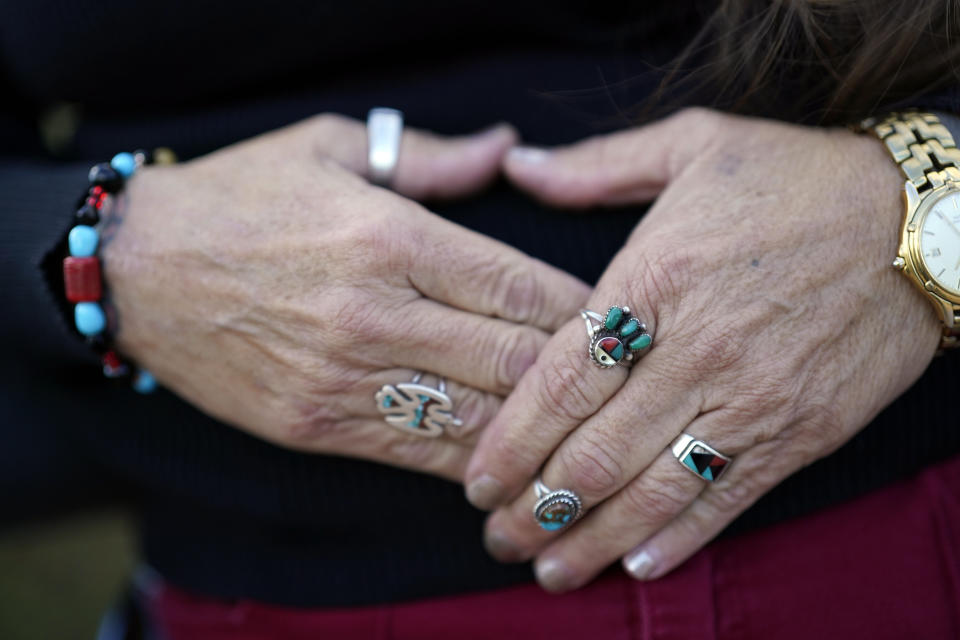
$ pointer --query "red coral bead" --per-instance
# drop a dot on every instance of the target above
(113, 366)
(81, 279)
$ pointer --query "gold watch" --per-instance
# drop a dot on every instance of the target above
(929, 253)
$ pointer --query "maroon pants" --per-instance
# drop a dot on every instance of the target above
(886, 565)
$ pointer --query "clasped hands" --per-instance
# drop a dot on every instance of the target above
(273, 287)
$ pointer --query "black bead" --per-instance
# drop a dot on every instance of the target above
(99, 344)
(87, 214)
(105, 176)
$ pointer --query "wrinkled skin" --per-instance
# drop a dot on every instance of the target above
(780, 330)
(271, 286)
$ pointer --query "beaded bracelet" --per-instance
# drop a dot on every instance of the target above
(82, 277)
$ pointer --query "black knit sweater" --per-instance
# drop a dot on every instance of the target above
(223, 513)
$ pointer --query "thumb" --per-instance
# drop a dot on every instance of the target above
(429, 166)
(621, 168)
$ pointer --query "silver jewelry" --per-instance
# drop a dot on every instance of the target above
(415, 408)
(384, 131)
(555, 509)
(700, 458)
(617, 338)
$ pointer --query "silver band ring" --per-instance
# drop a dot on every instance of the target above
(417, 409)
(555, 509)
(700, 458)
(384, 131)
(616, 338)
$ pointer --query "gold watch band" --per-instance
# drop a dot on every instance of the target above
(928, 156)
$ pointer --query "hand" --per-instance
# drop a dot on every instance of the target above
(272, 287)
(780, 330)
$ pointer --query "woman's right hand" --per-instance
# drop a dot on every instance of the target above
(272, 287)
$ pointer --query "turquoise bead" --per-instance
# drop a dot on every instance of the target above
(642, 342)
(631, 326)
(614, 316)
(124, 164)
(144, 382)
(89, 318)
(83, 241)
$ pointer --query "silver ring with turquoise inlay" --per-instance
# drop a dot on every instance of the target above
(417, 409)
(616, 338)
(700, 458)
(555, 509)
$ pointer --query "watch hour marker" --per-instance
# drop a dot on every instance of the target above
(941, 272)
(934, 253)
(927, 231)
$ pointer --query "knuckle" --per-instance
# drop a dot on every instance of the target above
(718, 346)
(766, 401)
(377, 245)
(418, 453)
(825, 421)
(304, 423)
(563, 391)
(728, 497)
(475, 409)
(518, 295)
(515, 350)
(592, 467)
(657, 502)
(661, 280)
(703, 120)
(356, 321)
(327, 124)
(818, 430)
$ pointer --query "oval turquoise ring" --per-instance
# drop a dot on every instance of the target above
(555, 509)
(617, 338)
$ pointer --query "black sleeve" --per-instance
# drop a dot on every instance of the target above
(42, 468)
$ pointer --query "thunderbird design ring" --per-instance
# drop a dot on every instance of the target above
(415, 408)
(555, 509)
(616, 338)
(384, 131)
(700, 458)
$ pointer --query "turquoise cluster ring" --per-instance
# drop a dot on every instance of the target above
(416, 408)
(617, 337)
(555, 510)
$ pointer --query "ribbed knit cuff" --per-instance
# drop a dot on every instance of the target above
(37, 209)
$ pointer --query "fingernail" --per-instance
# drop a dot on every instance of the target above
(484, 492)
(553, 575)
(639, 564)
(501, 547)
(528, 155)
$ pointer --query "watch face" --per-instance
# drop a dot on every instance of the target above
(940, 242)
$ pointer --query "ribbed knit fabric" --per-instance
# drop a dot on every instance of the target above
(225, 514)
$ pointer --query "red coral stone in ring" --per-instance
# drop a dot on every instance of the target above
(608, 352)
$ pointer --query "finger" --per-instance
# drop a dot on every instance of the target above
(605, 453)
(709, 514)
(484, 276)
(614, 527)
(484, 353)
(472, 408)
(647, 504)
(371, 439)
(625, 167)
(556, 395)
(429, 166)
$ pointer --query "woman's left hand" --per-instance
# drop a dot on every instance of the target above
(780, 329)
